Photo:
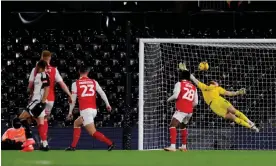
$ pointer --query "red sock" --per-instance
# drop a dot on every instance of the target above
(173, 135)
(184, 134)
(99, 136)
(76, 137)
(45, 126)
(41, 132)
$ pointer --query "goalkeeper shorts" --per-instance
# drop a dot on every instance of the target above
(219, 106)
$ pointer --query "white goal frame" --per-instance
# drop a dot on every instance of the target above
(142, 42)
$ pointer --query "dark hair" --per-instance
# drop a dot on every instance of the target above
(184, 75)
(84, 69)
(16, 123)
(41, 64)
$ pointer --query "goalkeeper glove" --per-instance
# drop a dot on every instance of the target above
(242, 91)
(182, 66)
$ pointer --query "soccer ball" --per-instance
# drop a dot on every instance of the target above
(203, 66)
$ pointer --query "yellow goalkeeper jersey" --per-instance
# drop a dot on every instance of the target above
(210, 92)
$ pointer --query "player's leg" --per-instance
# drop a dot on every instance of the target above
(24, 117)
(88, 123)
(237, 120)
(28, 144)
(43, 127)
(76, 134)
(37, 111)
(41, 131)
(219, 106)
(184, 132)
(176, 119)
(48, 110)
(239, 114)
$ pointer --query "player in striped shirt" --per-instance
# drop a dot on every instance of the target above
(36, 108)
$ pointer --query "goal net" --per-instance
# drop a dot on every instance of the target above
(234, 64)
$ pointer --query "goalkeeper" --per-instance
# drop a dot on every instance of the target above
(223, 108)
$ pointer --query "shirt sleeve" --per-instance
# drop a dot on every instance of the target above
(74, 97)
(195, 102)
(221, 91)
(205, 87)
(74, 93)
(45, 80)
(32, 76)
(101, 93)
(176, 90)
(74, 88)
(58, 77)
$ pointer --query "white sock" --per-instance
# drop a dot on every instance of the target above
(173, 146)
(184, 146)
(44, 143)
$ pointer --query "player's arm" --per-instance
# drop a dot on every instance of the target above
(46, 86)
(176, 92)
(195, 102)
(31, 81)
(63, 86)
(201, 85)
(74, 98)
(232, 93)
(103, 96)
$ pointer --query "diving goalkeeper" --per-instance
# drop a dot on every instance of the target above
(223, 108)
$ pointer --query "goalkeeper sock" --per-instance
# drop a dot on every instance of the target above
(173, 135)
(99, 136)
(242, 122)
(184, 134)
(241, 116)
(76, 136)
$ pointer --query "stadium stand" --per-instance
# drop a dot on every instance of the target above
(22, 48)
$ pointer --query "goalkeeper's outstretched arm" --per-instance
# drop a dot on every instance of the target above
(201, 85)
(232, 93)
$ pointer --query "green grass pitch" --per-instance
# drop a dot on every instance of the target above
(139, 158)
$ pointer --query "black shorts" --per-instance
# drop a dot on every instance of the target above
(36, 109)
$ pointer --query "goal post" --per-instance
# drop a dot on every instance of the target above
(234, 63)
